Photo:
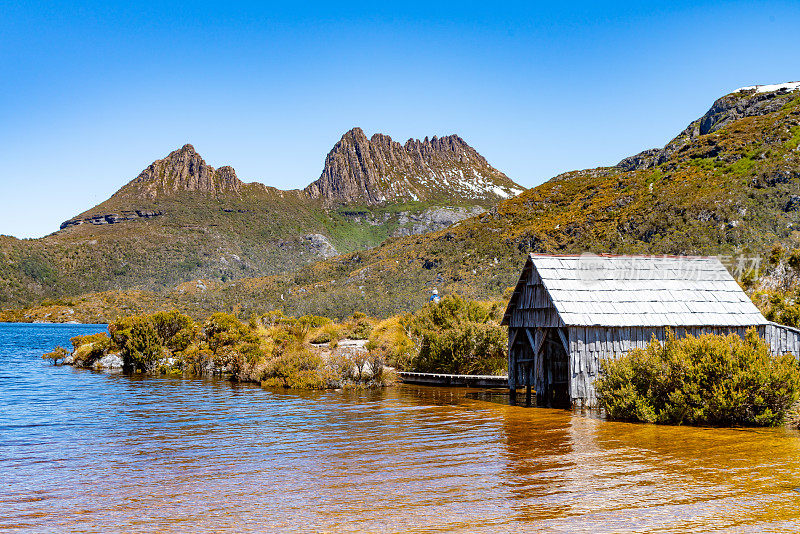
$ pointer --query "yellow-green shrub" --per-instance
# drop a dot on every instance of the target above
(298, 369)
(89, 348)
(461, 337)
(714, 380)
(392, 338)
(357, 326)
(224, 329)
(58, 354)
(784, 308)
(326, 334)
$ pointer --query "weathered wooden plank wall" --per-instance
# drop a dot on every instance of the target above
(589, 345)
(534, 306)
(783, 339)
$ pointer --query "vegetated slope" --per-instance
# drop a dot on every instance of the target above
(182, 219)
(729, 184)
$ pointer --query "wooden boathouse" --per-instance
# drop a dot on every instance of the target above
(567, 313)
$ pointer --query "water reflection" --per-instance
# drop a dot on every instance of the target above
(538, 446)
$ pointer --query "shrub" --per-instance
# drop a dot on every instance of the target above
(393, 338)
(89, 348)
(784, 308)
(223, 329)
(358, 326)
(77, 341)
(776, 254)
(714, 380)
(326, 334)
(175, 330)
(141, 348)
(794, 260)
(463, 349)
(58, 354)
(460, 336)
(298, 369)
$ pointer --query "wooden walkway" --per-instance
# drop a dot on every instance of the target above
(436, 379)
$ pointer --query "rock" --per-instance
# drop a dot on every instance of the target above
(109, 362)
(111, 218)
(181, 170)
(642, 160)
(432, 220)
(747, 102)
(318, 244)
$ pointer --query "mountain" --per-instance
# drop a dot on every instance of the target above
(727, 185)
(377, 170)
(181, 219)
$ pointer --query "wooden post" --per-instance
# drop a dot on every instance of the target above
(512, 366)
(528, 372)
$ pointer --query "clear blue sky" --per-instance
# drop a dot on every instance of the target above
(90, 94)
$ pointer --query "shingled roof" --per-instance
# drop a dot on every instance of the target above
(590, 290)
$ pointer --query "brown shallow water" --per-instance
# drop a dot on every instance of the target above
(90, 452)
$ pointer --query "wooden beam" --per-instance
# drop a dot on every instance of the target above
(563, 340)
(531, 341)
(541, 336)
(528, 380)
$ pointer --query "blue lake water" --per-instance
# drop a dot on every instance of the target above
(84, 451)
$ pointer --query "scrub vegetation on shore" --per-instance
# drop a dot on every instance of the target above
(307, 352)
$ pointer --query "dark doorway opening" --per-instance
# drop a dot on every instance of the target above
(555, 369)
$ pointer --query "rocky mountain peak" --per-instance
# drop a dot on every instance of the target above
(745, 102)
(378, 169)
(182, 170)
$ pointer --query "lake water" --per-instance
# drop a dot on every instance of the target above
(82, 451)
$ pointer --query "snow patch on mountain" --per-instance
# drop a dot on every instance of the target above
(788, 86)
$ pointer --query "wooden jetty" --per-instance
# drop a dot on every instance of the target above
(438, 379)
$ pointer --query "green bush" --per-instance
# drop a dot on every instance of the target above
(358, 326)
(100, 337)
(174, 329)
(223, 329)
(794, 260)
(298, 369)
(58, 354)
(89, 348)
(463, 349)
(461, 337)
(326, 334)
(708, 380)
(392, 338)
(784, 308)
(139, 343)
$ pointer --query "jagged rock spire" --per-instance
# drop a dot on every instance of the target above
(378, 169)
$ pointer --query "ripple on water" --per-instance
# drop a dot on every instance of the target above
(93, 452)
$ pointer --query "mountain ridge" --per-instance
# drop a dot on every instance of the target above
(369, 170)
(181, 219)
(357, 170)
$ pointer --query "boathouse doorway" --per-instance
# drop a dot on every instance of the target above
(555, 373)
